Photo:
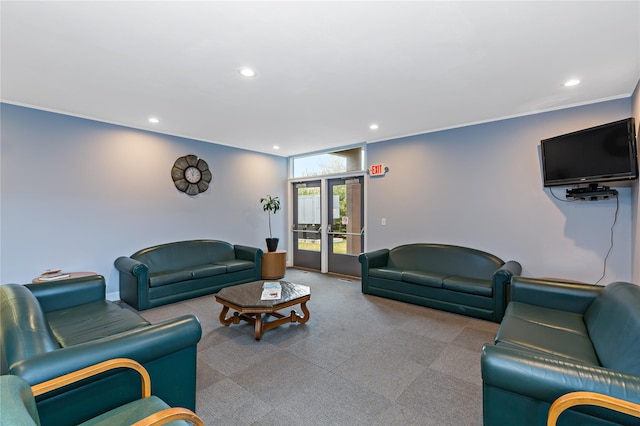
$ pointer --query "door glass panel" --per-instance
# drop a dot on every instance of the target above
(309, 219)
(346, 235)
(347, 217)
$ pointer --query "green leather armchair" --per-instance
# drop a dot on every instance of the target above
(560, 337)
(50, 329)
(574, 399)
(18, 400)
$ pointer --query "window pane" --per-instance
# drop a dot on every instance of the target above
(347, 202)
(349, 160)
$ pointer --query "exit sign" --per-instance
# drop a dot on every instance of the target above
(377, 170)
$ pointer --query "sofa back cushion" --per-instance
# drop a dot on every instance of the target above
(613, 322)
(444, 259)
(23, 329)
(184, 254)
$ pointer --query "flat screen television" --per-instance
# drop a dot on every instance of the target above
(598, 154)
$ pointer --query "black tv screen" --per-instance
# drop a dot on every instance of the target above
(599, 154)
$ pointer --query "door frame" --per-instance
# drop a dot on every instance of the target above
(324, 238)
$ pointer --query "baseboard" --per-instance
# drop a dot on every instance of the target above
(115, 296)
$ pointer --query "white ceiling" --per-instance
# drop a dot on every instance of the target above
(325, 70)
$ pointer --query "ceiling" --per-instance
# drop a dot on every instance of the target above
(325, 70)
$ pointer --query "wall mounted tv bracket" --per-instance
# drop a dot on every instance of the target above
(593, 192)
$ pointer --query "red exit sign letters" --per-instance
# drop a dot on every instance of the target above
(377, 170)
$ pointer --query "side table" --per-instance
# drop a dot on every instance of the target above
(274, 264)
(71, 276)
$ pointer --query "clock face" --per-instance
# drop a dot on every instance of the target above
(192, 174)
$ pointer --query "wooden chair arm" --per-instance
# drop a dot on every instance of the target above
(93, 370)
(590, 398)
(169, 415)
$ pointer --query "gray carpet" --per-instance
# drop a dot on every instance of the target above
(359, 360)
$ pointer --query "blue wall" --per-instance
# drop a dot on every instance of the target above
(635, 198)
(76, 194)
(481, 186)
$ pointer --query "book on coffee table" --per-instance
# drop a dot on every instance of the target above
(271, 290)
(52, 274)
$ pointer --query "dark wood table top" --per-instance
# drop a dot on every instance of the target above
(248, 295)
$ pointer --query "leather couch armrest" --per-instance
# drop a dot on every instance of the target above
(371, 259)
(130, 266)
(252, 254)
(501, 277)
(554, 294)
(247, 253)
(374, 259)
(546, 378)
(55, 295)
(509, 269)
(134, 282)
(143, 344)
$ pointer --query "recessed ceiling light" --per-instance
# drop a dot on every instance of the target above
(276, 147)
(572, 82)
(153, 120)
(374, 126)
(247, 72)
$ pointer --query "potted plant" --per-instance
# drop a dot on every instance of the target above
(271, 205)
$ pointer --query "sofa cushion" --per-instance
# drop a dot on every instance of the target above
(468, 285)
(163, 278)
(92, 321)
(612, 321)
(429, 279)
(557, 333)
(235, 265)
(209, 270)
(386, 273)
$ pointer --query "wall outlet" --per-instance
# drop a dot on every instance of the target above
(383, 221)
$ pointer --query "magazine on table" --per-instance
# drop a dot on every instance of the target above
(271, 290)
(52, 274)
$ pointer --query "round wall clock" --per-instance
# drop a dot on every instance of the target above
(191, 174)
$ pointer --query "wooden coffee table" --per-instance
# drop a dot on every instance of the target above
(245, 300)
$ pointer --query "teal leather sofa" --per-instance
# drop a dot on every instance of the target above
(559, 337)
(451, 278)
(53, 328)
(171, 272)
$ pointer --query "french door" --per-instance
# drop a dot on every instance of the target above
(346, 228)
(328, 231)
(307, 224)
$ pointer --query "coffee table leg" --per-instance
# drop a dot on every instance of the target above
(305, 311)
(258, 326)
(223, 316)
